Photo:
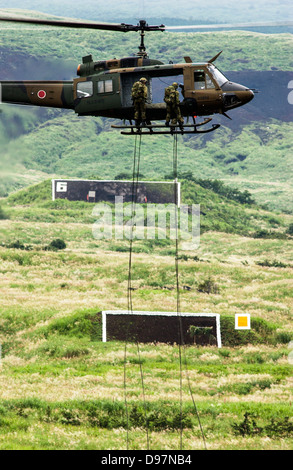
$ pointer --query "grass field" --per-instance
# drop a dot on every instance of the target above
(62, 388)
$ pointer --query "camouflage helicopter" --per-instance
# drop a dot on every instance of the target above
(103, 88)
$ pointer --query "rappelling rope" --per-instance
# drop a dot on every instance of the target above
(181, 343)
(135, 177)
(182, 356)
(180, 331)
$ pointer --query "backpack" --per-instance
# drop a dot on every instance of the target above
(137, 91)
(168, 94)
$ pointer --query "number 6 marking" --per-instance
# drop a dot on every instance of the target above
(290, 96)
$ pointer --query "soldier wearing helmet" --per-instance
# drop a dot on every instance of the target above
(172, 101)
(139, 94)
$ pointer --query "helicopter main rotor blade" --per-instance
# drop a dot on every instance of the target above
(65, 23)
(123, 27)
(230, 25)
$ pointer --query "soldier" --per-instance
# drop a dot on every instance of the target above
(139, 94)
(172, 101)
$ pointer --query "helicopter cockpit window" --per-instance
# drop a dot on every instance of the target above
(209, 82)
(218, 76)
(199, 80)
(84, 89)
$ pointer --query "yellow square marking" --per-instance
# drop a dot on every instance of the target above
(242, 321)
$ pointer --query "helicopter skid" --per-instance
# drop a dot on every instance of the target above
(155, 129)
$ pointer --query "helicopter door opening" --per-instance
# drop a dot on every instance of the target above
(160, 83)
(127, 82)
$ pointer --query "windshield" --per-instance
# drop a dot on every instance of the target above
(218, 76)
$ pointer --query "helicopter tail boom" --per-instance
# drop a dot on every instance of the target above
(58, 94)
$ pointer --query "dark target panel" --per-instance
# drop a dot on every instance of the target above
(155, 192)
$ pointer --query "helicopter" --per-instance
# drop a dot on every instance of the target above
(103, 88)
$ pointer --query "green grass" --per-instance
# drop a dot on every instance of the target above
(95, 422)
(62, 388)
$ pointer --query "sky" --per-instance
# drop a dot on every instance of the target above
(208, 11)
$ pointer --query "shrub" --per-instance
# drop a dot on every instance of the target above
(290, 229)
(273, 264)
(247, 427)
(208, 286)
(159, 419)
(283, 337)
(17, 245)
(262, 233)
(279, 427)
(56, 245)
(261, 332)
(70, 417)
(201, 332)
(2, 214)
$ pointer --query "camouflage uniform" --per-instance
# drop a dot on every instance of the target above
(172, 102)
(139, 94)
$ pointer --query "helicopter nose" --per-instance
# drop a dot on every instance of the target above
(236, 95)
(247, 95)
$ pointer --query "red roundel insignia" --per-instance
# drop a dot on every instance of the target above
(42, 94)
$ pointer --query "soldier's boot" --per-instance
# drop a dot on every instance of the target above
(136, 118)
(143, 119)
(168, 116)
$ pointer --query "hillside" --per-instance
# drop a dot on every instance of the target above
(256, 157)
(242, 50)
(222, 209)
